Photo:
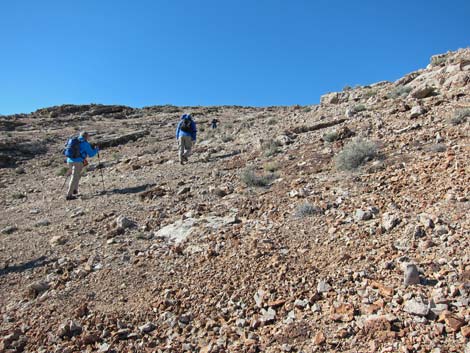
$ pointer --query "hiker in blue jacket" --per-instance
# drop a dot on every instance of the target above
(76, 165)
(186, 133)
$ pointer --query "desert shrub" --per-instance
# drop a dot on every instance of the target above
(227, 138)
(347, 88)
(246, 125)
(270, 147)
(272, 121)
(306, 210)
(399, 91)
(438, 148)
(330, 136)
(62, 171)
(202, 128)
(271, 167)
(250, 178)
(355, 153)
(369, 93)
(18, 196)
(438, 60)
(460, 116)
(358, 108)
(307, 109)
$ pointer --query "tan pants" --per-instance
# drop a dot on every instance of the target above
(185, 144)
(76, 169)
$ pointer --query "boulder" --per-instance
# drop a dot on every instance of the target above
(422, 91)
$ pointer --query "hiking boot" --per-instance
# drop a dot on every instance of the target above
(71, 197)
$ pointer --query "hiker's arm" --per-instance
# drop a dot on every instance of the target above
(90, 151)
(178, 130)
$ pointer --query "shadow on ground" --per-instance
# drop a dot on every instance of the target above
(39, 262)
(130, 190)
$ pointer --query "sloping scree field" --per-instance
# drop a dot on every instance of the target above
(338, 227)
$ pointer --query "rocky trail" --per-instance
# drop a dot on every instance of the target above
(338, 227)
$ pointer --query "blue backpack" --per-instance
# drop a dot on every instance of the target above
(72, 148)
(186, 124)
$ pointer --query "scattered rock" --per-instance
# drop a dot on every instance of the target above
(416, 111)
(124, 222)
(411, 274)
(57, 240)
(323, 287)
(9, 230)
(361, 215)
(319, 338)
(390, 221)
(37, 288)
(416, 307)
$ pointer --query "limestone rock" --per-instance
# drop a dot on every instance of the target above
(411, 274)
(416, 307)
(416, 111)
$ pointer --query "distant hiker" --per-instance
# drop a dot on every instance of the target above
(214, 123)
(186, 136)
(77, 150)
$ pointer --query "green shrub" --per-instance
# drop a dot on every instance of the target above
(271, 167)
(369, 93)
(358, 108)
(306, 210)
(354, 154)
(250, 178)
(347, 88)
(272, 121)
(399, 91)
(460, 116)
(330, 136)
(18, 195)
(270, 147)
(246, 125)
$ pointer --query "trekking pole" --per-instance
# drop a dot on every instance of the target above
(101, 171)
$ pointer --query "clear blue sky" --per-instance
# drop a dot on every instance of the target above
(214, 52)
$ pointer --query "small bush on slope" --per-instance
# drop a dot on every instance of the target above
(354, 154)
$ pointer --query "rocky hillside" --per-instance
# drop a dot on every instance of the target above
(339, 227)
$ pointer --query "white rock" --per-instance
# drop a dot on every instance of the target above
(124, 222)
(415, 307)
(323, 287)
(411, 274)
(390, 221)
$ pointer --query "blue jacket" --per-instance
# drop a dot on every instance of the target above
(180, 132)
(85, 151)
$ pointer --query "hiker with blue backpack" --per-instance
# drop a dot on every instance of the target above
(77, 150)
(186, 133)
